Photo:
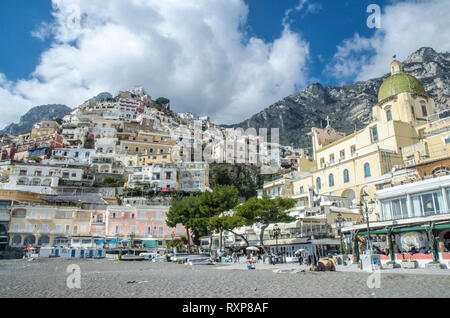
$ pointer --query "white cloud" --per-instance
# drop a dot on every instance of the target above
(193, 52)
(406, 27)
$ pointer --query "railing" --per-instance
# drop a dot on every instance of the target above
(382, 219)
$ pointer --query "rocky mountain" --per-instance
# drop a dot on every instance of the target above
(349, 106)
(35, 115)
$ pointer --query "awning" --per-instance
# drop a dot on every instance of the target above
(408, 229)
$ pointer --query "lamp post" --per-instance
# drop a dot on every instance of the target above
(276, 233)
(364, 203)
(339, 221)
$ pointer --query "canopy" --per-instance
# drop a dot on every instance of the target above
(29, 248)
(100, 241)
(113, 242)
(124, 241)
(252, 248)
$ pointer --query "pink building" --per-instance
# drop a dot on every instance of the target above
(141, 223)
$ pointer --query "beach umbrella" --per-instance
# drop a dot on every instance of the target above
(29, 248)
(299, 251)
(252, 248)
(124, 241)
(100, 241)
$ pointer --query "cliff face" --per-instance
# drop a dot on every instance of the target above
(35, 115)
(348, 106)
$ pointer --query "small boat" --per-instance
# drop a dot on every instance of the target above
(131, 256)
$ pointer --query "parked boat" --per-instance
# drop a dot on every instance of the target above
(132, 256)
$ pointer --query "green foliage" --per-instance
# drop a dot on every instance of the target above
(177, 242)
(58, 120)
(35, 159)
(162, 101)
(266, 210)
(110, 182)
(222, 199)
(246, 179)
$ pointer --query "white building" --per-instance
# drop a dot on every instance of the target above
(78, 156)
(156, 176)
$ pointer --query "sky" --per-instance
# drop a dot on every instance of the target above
(228, 59)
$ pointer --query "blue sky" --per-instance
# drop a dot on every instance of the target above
(325, 29)
(228, 59)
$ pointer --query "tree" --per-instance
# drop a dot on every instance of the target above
(230, 223)
(223, 198)
(186, 212)
(265, 211)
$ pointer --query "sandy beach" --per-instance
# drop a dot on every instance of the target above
(47, 278)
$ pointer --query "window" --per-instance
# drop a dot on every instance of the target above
(367, 170)
(346, 176)
(413, 112)
(133, 229)
(117, 231)
(331, 180)
(319, 184)
(302, 189)
(322, 162)
(67, 229)
(331, 158)
(374, 134)
(342, 153)
(388, 114)
(424, 110)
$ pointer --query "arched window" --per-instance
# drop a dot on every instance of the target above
(331, 180)
(346, 176)
(319, 184)
(366, 170)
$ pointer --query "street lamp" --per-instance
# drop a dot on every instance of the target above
(339, 221)
(365, 203)
(276, 233)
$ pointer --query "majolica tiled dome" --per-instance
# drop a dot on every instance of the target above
(399, 82)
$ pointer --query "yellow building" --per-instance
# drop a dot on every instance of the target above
(154, 147)
(47, 225)
(345, 165)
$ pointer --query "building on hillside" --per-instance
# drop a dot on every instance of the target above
(74, 136)
(193, 176)
(44, 128)
(40, 147)
(40, 178)
(106, 145)
(73, 155)
(159, 177)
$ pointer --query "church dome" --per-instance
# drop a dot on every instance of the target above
(399, 82)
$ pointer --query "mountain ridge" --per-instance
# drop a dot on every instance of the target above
(349, 106)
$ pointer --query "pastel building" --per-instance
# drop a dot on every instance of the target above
(47, 225)
(140, 224)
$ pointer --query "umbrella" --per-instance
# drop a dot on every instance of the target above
(299, 251)
(112, 242)
(124, 241)
(29, 248)
(252, 248)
